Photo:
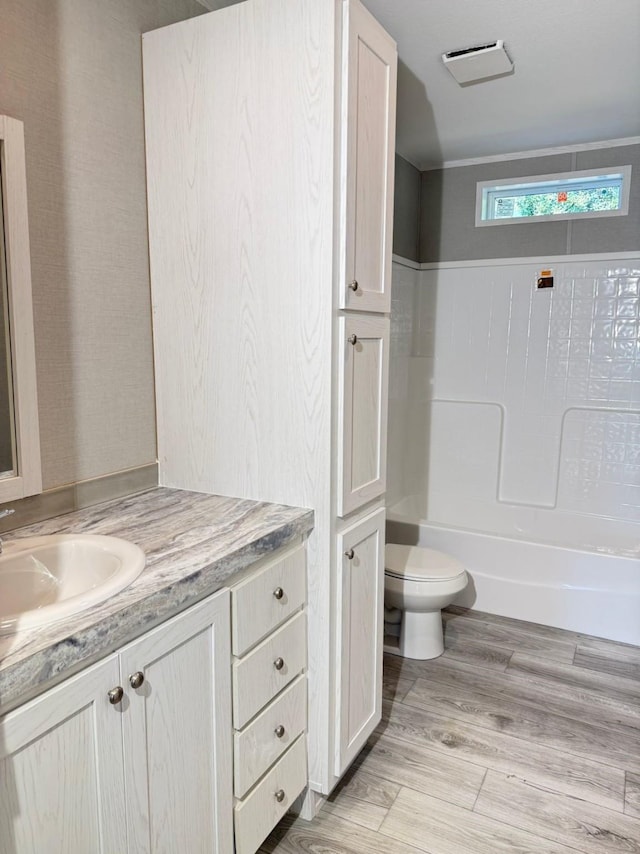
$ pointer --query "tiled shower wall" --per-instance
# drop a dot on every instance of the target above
(514, 410)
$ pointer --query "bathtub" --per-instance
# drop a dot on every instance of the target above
(597, 593)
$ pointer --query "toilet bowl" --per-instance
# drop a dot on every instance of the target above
(420, 582)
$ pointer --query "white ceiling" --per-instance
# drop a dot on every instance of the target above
(576, 80)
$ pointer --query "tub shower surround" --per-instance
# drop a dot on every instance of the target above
(514, 434)
(519, 409)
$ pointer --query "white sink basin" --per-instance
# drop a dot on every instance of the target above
(44, 579)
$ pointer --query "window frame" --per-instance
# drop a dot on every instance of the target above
(518, 184)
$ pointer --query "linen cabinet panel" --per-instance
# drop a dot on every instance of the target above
(269, 129)
(363, 411)
(371, 84)
(361, 614)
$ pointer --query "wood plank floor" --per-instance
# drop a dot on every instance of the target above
(520, 739)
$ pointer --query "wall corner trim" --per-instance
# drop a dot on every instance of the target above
(407, 262)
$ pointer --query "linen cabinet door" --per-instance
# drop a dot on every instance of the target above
(177, 734)
(371, 110)
(61, 769)
(362, 453)
(360, 635)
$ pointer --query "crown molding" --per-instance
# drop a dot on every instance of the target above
(537, 152)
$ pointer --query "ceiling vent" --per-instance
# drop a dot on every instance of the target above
(473, 64)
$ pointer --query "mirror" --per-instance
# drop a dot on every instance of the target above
(20, 473)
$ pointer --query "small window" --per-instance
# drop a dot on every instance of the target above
(572, 195)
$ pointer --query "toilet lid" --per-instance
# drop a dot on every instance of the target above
(420, 564)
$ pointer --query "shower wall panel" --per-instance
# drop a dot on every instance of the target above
(516, 411)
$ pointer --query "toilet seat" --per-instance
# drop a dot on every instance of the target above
(415, 563)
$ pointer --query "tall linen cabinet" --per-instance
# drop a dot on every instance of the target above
(270, 132)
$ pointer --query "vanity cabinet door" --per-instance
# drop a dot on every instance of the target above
(61, 769)
(177, 734)
(360, 610)
(363, 412)
(371, 104)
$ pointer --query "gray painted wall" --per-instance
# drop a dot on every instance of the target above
(71, 70)
(447, 218)
(615, 234)
(406, 210)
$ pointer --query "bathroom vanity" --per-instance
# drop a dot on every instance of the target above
(186, 713)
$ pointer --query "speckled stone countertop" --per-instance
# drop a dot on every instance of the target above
(194, 544)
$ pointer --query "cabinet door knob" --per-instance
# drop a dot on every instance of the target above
(353, 285)
(353, 339)
(279, 731)
(115, 695)
(279, 796)
(278, 593)
(350, 554)
(278, 663)
(136, 679)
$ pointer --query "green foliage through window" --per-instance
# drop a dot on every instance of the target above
(548, 204)
(569, 195)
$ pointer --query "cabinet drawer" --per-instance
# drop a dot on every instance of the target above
(256, 679)
(258, 746)
(266, 599)
(259, 813)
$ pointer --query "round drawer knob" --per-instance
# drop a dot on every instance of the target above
(350, 554)
(278, 663)
(278, 593)
(280, 796)
(353, 339)
(115, 695)
(136, 679)
(353, 285)
(279, 731)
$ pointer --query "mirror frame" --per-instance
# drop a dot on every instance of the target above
(28, 473)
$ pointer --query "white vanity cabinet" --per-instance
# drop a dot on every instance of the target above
(95, 765)
(62, 769)
(175, 728)
(270, 129)
(269, 643)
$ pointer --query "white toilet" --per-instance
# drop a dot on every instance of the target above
(420, 582)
